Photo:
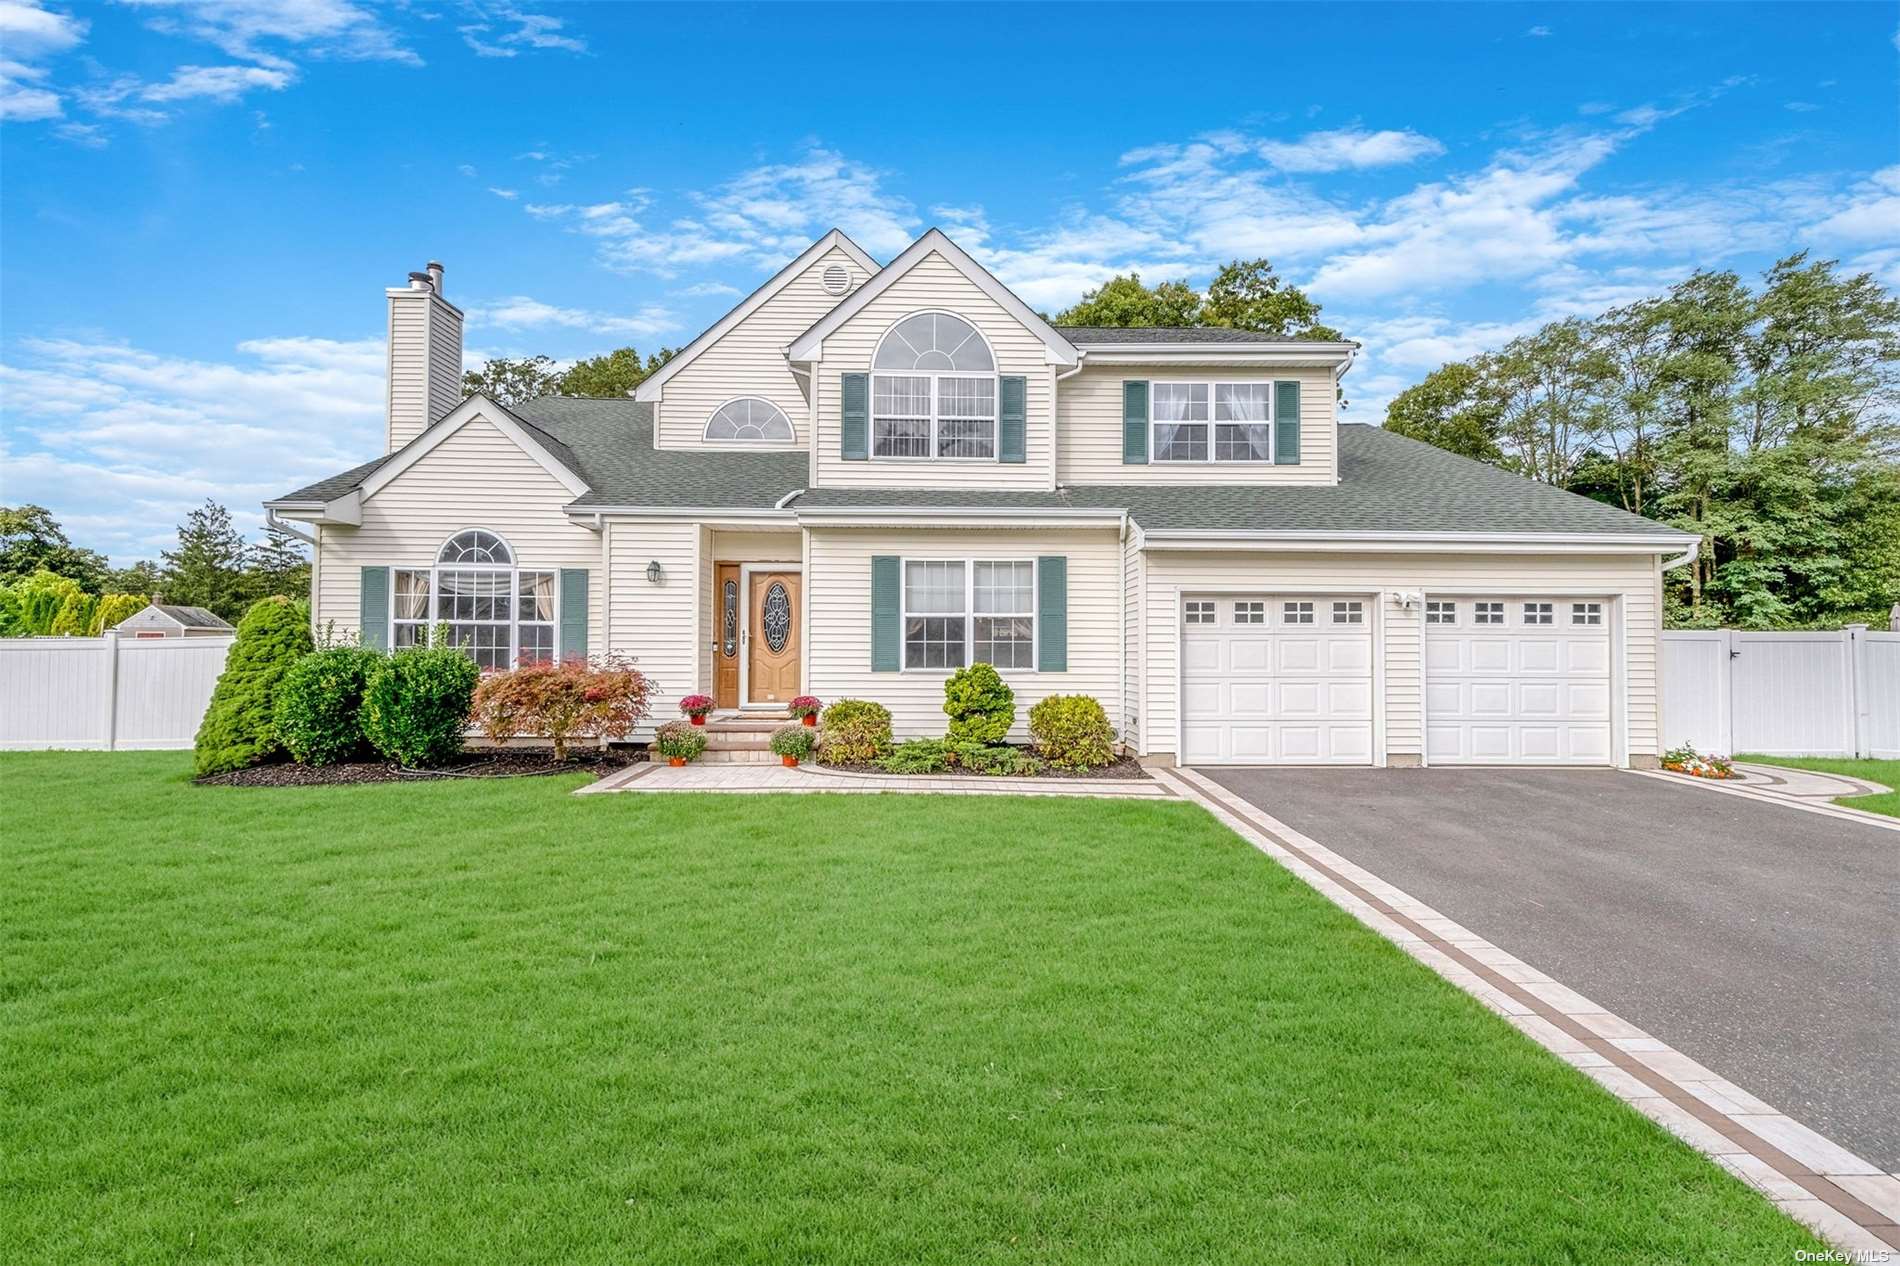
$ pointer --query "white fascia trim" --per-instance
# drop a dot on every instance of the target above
(958, 516)
(453, 421)
(694, 514)
(346, 510)
(1321, 354)
(810, 346)
(649, 389)
(1414, 542)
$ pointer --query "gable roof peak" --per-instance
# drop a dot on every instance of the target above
(807, 346)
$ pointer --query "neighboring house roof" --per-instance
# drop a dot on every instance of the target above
(1388, 484)
(1085, 336)
(1059, 351)
(188, 617)
(649, 388)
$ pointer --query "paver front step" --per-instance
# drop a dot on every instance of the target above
(747, 724)
(738, 756)
(731, 740)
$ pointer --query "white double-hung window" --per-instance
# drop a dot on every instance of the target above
(1211, 421)
(933, 391)
(475, 598)
(969, 611)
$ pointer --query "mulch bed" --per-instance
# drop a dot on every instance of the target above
(522, 762)
(1126, 767)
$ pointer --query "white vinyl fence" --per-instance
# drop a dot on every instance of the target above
(111, 692)
(1819, 693)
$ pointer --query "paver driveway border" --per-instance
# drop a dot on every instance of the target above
(1849, 1201)
(1765, 791)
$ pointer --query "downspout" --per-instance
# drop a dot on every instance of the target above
(606, 586)
(1055, 417)
(788, 498)
(1122, 624)
(282, 525)
(1687, 556)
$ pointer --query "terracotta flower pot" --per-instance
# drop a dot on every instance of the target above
(791, 762)
(699, 718)
(677, 762)
(810, 718)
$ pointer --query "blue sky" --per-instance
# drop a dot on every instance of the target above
(203, 201)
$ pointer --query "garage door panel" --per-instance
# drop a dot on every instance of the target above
(1514, 691)
(1291, 688)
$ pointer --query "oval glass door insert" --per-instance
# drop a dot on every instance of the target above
(776, 615)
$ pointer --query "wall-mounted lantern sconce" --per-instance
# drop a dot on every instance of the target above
(654, 572)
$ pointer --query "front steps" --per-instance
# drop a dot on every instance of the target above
(741, 738)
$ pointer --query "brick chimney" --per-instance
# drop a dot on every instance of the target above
(425, 355)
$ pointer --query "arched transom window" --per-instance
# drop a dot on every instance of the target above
(933, 390)
(478, 599)
(750, 419)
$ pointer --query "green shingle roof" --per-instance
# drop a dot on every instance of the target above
(1388, 483)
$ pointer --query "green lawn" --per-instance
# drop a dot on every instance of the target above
(1884, 772)
(494, 1022)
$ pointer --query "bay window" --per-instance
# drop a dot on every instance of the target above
(933, 391)
(475, 598)
(960, 612)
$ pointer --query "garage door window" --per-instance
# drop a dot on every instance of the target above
(1487, 613)
(1349, 613)
(1537, 612)
(1298, 612)
(1200, 613)
(1586, 613)
(1250, 613)
(1441, 613)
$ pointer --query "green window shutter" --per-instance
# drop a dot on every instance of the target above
(573, 612)
(373, 618)
(886, 641)
(1010, 418)
(1134, 423)
(1286, 423)
(854, 405)
(1052, 614)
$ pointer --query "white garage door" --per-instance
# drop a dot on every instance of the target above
(1517, 681)
(1277, 679)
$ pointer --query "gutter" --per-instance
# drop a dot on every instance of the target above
(272, 521)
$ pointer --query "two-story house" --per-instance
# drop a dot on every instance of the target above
(864, 477)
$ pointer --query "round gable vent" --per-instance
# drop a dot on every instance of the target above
(837, 280)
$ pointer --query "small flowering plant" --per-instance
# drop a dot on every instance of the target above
(792, 743)
(1686, 760)
(696, 707)
(678, 741)
(806, 708)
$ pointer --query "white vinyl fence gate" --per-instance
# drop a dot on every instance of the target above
(1820, 693)
(110, 692)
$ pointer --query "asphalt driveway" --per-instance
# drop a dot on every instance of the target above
(1763, 942)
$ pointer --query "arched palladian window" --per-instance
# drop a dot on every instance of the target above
(933, 390)
(750, 419)
(497, 613)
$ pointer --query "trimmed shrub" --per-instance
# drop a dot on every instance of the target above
(75, 616)
(916, 756)
(857, 732)
(240, 725)
(320, 702)
(981, 707)
(985, 758)
(679, 740)
(792, 740)
(416, 704)
(576, 698)
(1072, 732)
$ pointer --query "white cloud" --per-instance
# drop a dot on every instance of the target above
(530, 31)
(216, 83)
(256, 30)
(22, 99)
(509, 194)
(120, 441)
(1537, 32)
(468, 169)
(87, 135)
(30, 34)
(1349, 148)
(709, 289)
(1800, 107)
(519, 312)
(1868, 213)
(762, 216)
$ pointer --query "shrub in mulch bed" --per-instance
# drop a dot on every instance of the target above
(524, 762)
(1121, 767)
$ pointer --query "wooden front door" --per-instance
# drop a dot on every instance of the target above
(728, 626)
(772, 637)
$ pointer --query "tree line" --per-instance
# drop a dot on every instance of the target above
(49, 586)
(1761, 419)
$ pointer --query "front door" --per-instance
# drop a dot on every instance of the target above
(772, 637)
(728, 621)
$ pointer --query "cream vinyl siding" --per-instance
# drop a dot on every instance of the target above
(749, 360)
(425, 363)
(476, 478)
(933, 284)
(1134, 577)
(1631, 580)
(838, 597)
(1089, 422)
(657, 626)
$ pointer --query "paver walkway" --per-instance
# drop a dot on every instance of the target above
(1807, 789)
(804, 779)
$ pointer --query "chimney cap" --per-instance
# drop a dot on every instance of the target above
(421, 281)
(434, 265)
